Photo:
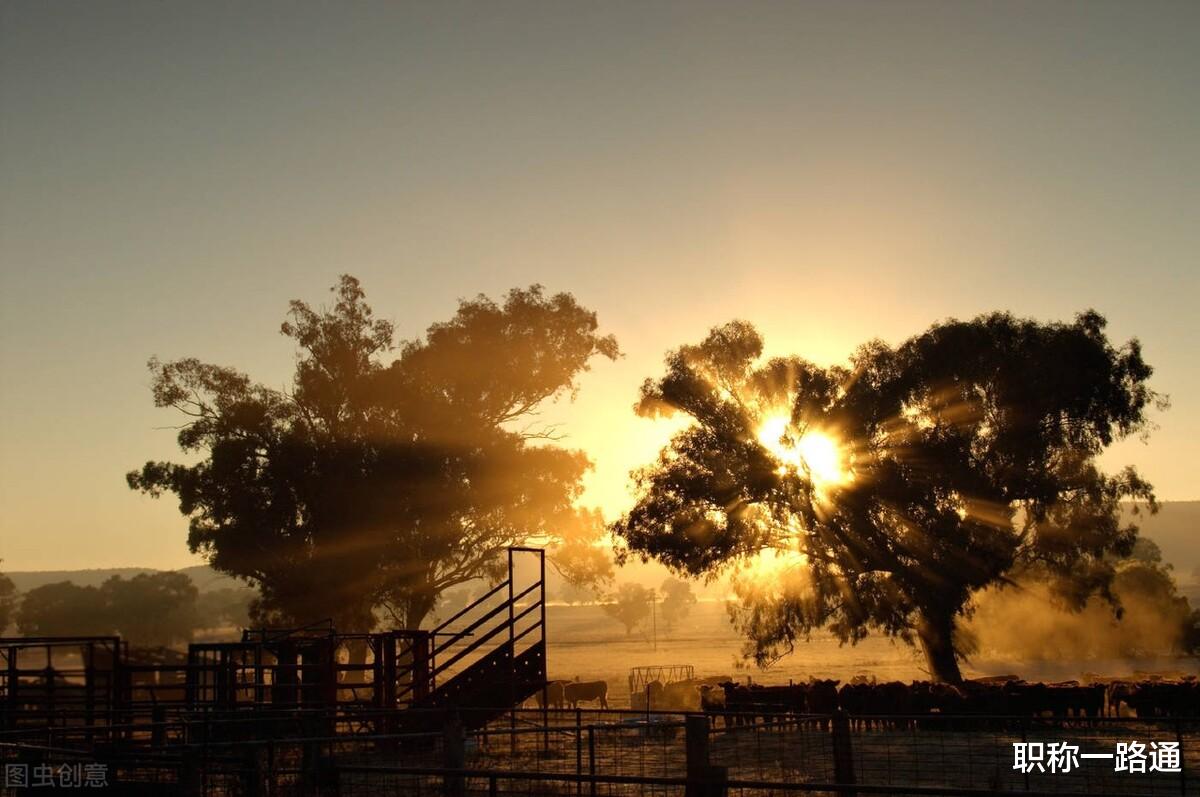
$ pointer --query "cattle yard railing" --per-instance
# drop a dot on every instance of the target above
(491, 654)
(589, 752)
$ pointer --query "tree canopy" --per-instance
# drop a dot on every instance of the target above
(385, 475)
(8, 601)
(149, 609)
(63, 609)
(678, 600)
(883, 494)
(629, 605)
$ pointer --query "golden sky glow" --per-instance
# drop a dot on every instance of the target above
(831, 172)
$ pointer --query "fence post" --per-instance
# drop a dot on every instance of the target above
(579, 751)
(592, 759)
(271, 767)
(696, 749)
(703, 779)
(455, 756)
(1182, 757)
(309, 768)
(252, 775)
(158, 726)
(189, 773)
(843, 752)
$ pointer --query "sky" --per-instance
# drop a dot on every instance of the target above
(171, 174)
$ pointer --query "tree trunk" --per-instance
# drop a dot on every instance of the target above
(936, 632)
(356, 653)
(416, 609)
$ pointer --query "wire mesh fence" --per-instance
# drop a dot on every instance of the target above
(614, 752)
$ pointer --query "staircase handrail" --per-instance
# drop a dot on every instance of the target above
(472, 605)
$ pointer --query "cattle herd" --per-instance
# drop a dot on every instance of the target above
(895, 704)
(560, 694)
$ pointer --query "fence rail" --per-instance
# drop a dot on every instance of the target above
(618, 752)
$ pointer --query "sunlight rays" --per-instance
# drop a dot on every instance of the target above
(818, 454)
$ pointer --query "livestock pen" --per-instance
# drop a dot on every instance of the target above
(615, 752)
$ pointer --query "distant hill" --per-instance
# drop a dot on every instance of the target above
(204, 577)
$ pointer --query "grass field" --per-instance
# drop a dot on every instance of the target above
(586, 643)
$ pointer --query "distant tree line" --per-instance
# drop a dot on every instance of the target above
(8, 601)
(632, 604)
(149, 609)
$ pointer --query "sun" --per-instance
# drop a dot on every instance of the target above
(816, 452)
(822, 457)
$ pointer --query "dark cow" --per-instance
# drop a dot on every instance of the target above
(739, 703)
(576, 692)
(553, 695)
(712, 702)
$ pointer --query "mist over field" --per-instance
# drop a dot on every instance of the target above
(585, 644)
(1015, 630)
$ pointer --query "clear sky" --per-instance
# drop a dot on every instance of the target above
(171, 174)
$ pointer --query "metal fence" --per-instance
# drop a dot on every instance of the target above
(613, 752)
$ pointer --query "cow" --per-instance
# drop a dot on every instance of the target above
(821, 697)
(681, 696)
(739, 703)
(712, 702)
(552, 695)
(576, 692)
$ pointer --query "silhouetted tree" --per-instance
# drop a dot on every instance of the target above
(932, 469)
(629, 605)
(375, 482)
(8, 601)
(63, 609)
(678, 599)
(227, 606)
(1147, 550)
(151, 609)
(1190, 639)
(1150, 586)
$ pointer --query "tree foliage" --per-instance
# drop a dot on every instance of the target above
(63, 609)
(227, 606)
(629, 605)
(678, 600)
(965, 451)
(8, 601)
(384, 476)
(150, 609)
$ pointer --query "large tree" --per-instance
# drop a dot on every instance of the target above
(383, 476)
(8, 601)
(884, 494)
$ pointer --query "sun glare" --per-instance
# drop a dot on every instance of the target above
(816, 452)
